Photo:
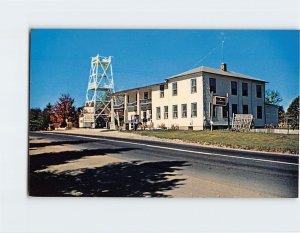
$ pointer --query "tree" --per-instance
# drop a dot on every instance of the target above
(281, 114)
(293, 113)
(79, 112)
(35, 119)
(272, 97)
(63, 110)
(38, 119)
(47, 115)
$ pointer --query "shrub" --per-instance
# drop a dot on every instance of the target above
(175, 127)
(162, 126)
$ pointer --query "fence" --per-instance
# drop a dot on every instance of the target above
(280, 131)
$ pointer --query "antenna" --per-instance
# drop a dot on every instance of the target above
(223, 41)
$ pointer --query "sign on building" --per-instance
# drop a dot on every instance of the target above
(89, 109)
(89, 118)
(220, 100)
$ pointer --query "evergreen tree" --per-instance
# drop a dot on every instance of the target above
(47, 115)
(293, 113)
(35, 119)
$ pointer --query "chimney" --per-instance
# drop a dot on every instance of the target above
(223, 66)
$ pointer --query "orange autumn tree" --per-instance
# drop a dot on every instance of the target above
(63, 110)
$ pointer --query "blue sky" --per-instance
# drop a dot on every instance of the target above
(60, 59)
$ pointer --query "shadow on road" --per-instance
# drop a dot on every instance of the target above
(122, 179)
(57, 143)
(44, 160)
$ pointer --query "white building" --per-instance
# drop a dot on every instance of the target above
(193, 100)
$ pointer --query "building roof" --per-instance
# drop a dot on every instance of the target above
(215, 71)
(137, 88)
(274, 105)
(198, 70)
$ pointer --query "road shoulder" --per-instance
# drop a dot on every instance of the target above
(134, 136)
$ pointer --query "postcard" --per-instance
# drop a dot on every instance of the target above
(163, 113)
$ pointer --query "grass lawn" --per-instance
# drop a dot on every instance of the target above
(223, 138)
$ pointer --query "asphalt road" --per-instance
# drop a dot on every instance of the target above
(159, 169)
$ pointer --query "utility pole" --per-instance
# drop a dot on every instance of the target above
(211, 110)
(227, 108)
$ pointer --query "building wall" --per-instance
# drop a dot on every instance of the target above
(184, 96)
(223, 86)
(202, 97)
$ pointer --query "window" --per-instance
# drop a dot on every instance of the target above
(234, 108)
(224, 111)
(212, 85)
(194, 110)
(233, 88)
(166, 112)
(174, 88)
(175, 111)
(183, 110)
(144, 116)
(245, 89)
(259, 112)
(245, 109)
(193, 85)
(258, 91)
(158, 113)
(146, 95)
(162, 91)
